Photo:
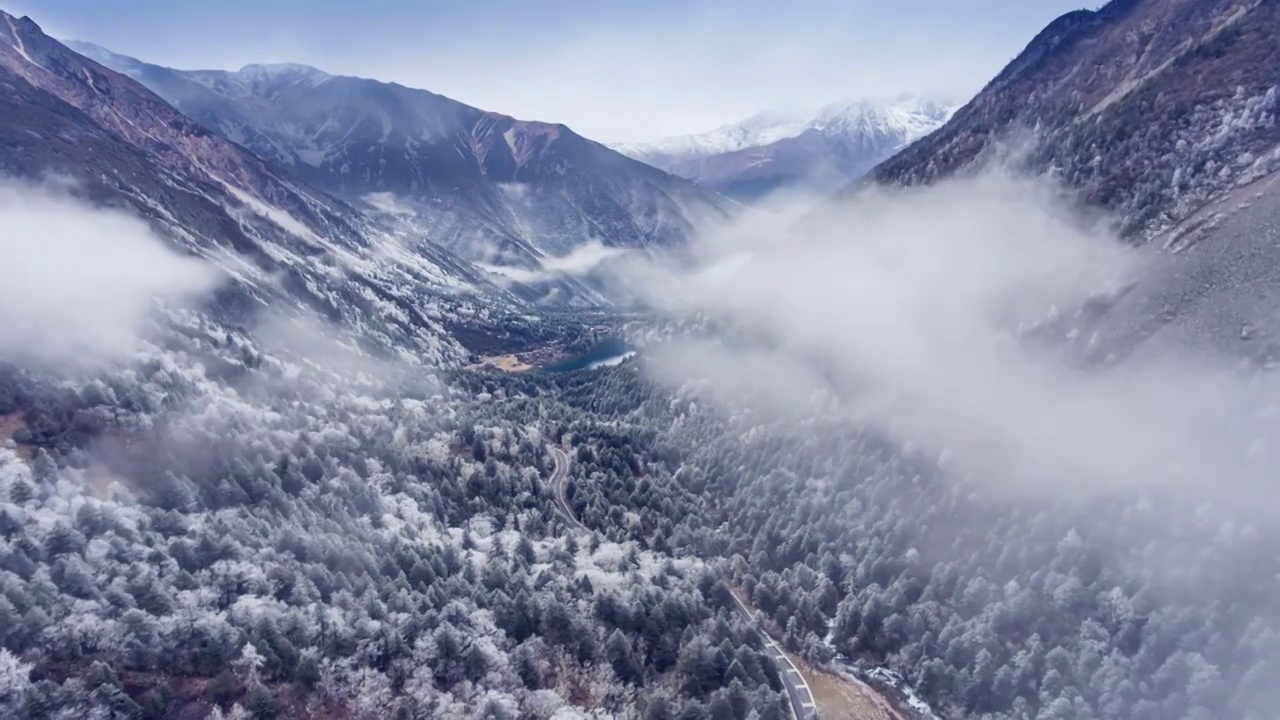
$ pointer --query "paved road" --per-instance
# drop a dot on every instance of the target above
(560, 486)
(802, 705)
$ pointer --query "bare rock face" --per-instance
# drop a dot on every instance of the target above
(1151, 108)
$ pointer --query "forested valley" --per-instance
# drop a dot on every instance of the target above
(233, 536)
(327, 397)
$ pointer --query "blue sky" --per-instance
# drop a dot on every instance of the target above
(618, 70)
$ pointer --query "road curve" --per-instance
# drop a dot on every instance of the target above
(802, 705)
(560, 486)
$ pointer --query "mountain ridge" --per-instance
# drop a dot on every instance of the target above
(1152, 110)
(491, 188)
(775, 150)
(284, 244)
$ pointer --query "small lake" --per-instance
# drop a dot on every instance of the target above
(608, 352)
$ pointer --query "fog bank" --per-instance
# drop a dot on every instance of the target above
(911, 312)
(77, 281)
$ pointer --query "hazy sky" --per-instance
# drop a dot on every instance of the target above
(615, 70)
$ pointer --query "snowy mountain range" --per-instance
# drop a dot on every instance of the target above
(776, 150)
(489, 188)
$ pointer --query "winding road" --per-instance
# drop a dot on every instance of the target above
(802, 705)
(560, 485)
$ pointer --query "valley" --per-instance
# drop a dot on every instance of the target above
(327, 396)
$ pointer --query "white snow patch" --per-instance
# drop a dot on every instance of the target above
(387, 202)
(514, 190)
(581, 260)
(284, 220)
(312, 156)
(897, 682)
(613, 361)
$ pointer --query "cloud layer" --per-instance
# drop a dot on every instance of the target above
(77, 283)
(579, 261)
(910, 312)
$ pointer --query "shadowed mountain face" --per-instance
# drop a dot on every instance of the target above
(774, 152)
(489, 187)
(1152, 108)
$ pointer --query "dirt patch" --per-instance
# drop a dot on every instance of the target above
(505, 363)
(10, 424)
(838, 697)
(843, 698)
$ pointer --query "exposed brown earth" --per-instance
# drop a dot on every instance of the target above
(10, 424)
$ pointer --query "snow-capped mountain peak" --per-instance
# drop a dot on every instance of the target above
(760, 129)
(775, 149)
(912, 115)
(908, 116)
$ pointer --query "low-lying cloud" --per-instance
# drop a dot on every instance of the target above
(390, 203)
(580, 261)
(909, 311)
(78, 282)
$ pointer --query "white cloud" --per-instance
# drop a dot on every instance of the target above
(389, 203)
(581, 260)
(78, 282)
(905, 311)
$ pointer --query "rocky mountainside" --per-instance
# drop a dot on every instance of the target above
(773, 151)
(284, 243)
(1152, 108)
(491, 188)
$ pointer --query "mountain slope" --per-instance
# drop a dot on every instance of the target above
(773, 151)
(285, 246)
(492, 188)
(1152, 108)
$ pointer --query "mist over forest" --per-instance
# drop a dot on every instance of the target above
(329, 397)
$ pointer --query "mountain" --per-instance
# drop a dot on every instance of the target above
(1151, 108)
(491, 188)
(763, 128)
(772, 150)
(1165, 113)
(285, 245)
(852, 455)
(280, 496)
